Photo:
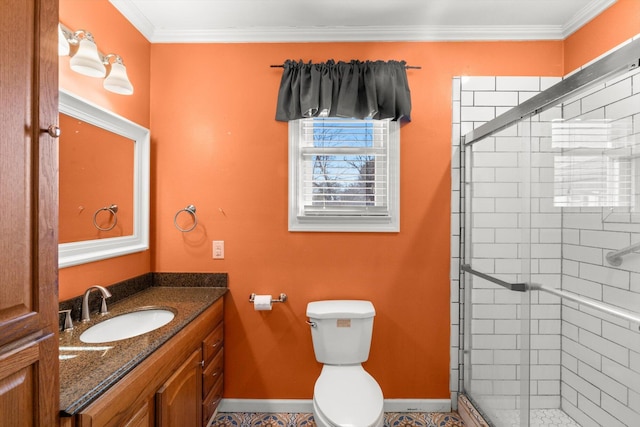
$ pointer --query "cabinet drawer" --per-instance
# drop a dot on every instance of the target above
(211, 402)
(212, 343)
(212, 372)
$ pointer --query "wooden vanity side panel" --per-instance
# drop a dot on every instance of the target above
(123, 400)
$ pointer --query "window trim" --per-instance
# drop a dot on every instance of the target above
(342, 223)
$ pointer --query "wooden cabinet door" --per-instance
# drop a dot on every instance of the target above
(28, 214)
(179, 400)
(143, 417)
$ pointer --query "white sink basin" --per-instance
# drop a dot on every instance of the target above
(127, 325)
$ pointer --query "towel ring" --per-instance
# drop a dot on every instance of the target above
(113, 209)
(191, 210)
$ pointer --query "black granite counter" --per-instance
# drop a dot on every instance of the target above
(88, 370)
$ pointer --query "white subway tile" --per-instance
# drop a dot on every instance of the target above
(518, 83)
(621, 335)
(545, 372)
(477, 114)
(583, 254)
(507, 205)
(482, 220)
(482, 159)
(606, 275)
(621, 410)
(604, 239)
(473, 83)
(496, 342)
(582, 320)
(606, 96)
(549, 357)
(482, 326)
(495, 372)
(589, 221)
(622, 298)
(493, 312)
(547, 82)
(502, 98)
(582, 386)
(608, 348)
(455, 88)
(545, 342)
(595, 411)
(621, 374)
(583, 287)
(623, 108)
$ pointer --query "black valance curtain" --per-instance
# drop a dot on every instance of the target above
(369, 89)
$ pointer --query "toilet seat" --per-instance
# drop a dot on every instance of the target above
(347, 396)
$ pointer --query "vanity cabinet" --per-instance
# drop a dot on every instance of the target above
(28, 202)
(178, 400)
(166, 388)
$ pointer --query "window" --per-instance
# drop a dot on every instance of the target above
(344, 175)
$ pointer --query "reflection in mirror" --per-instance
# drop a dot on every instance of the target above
(106, 163)
(96, 171)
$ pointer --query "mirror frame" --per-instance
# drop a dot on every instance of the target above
(75, 253)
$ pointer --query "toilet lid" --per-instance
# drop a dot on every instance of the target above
(348, 396)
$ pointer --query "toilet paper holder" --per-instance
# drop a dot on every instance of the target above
(283, 298)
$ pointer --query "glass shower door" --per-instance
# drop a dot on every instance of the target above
(497, 243)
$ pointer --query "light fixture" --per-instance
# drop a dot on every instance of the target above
(87, 60)
(117, 80)
(63, 43)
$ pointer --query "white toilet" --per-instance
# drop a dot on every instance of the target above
(345, 395)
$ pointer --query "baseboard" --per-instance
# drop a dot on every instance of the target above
(306, 405)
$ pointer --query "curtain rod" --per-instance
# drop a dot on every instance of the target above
(406, 66)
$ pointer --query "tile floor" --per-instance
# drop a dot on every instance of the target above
(391, 419)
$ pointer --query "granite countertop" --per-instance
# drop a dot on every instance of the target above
(88, 370)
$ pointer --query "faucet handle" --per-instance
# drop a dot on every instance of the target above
(68, 323)
(103, 307)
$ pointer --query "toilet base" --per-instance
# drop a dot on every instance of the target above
(321, 421)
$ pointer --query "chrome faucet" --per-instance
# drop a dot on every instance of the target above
(85, 301)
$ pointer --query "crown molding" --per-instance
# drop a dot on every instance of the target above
(585, 15)
(357, 34)
(294, 34)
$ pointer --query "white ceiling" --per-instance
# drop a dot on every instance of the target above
(200, 21)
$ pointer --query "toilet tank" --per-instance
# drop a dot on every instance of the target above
(341, 330)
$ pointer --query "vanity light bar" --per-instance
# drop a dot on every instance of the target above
(86, 59)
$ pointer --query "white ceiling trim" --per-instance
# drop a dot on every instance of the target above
(359, 33)
(585, 15)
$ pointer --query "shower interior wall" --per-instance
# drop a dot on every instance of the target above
(531, 350)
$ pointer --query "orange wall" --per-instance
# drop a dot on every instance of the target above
(113, 34)
(612, 27)
(216, 145)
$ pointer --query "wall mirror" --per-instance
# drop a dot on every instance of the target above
(104, 183)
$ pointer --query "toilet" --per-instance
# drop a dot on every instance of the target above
(345, 395)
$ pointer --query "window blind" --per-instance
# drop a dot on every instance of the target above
(344, 167)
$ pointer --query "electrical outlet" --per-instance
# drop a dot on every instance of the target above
(218, 249)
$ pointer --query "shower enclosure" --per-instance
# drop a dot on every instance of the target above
(550, 226)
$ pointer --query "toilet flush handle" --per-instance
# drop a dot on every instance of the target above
(312, 324)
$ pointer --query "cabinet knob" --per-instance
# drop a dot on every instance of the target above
(215, 344)
(53, 131)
